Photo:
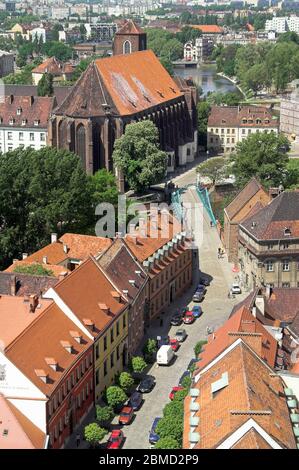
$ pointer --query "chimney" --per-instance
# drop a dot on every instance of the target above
(33, 303)
(268, 291)
(31, 100)
(13, 285)
(260, 303)
(45, 260)
(11, 98)
(53, 237)
(24, 255)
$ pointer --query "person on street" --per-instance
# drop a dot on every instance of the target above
(78, 439)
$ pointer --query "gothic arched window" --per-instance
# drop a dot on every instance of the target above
(81, 144)
(127, 47)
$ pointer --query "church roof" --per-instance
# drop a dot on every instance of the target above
(127, 83)
(130, 27)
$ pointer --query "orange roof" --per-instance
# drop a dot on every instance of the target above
(41, 341)
(56, 270)
(78, 247)
(242, 324)
(130, 27)
(252, 440)
(143, 247)
(85, 291)
(208, 28)
(15, 316)
(131, 81)
(17, 431)
(53, 66)
(248, 390)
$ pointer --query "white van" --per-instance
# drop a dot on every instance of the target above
(165, 355)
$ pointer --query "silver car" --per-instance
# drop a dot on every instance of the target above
(181, 335)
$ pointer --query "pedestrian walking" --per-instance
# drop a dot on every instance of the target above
(219, 252)
(211, 224)
(78, 439)
(161, 322)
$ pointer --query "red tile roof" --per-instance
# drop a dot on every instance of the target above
(54, 66)
(131, 81)
(243, 197)
(31, 110)
(130, 27)
(208, 28)
(240, 116)
(55, 270)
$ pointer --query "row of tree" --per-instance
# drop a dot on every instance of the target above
(263, 65)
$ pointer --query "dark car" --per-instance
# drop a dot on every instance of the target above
(146, 384)
(201, 288)
(192, 363)
(164, 340)
(185, 374)
(135, 400)
(176, 320)
(197, 311)
(153, 436)
(205, 281)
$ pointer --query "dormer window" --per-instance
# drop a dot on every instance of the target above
(267, 121)
(77, 336)
(89, 323)
(24, 122)
(51, 363)
(104, 308)
(67, 346)
(258, 121)
(36, 122)
(11, 121)
(41, 374)
(19, 111)
(287, 232)
(244, 121)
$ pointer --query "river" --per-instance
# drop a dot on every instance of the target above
(206, 76)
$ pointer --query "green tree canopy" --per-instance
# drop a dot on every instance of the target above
(103, 188)
(214, 168)
(198, 347)
(41, 191)
(45, 85)
(93, 433)
(104, 415)
(261, 155)
(167, 443)
(138, 155)
(203, 111)
(170, 426)
(175, 409)
(126, 381)
(138, 364)
(115, 396)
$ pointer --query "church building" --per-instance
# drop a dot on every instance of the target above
(129, 87)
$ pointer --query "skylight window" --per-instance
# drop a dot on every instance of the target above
(219, 384)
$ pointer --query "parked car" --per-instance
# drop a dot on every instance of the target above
(116, 439)
(153, 436)
(174, 344)
(176, 320)
(174, 390)
(198, 296)
(188, 318)
(135, 400)
(126, 415)
(185, 374)
(164, 340)
(165, 355)
(197, 311)
(205, 281)
(191, 363)
(181, 335)
(201, 288)
(146, 384)
(236, 289)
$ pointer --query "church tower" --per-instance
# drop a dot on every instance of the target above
(130, 38)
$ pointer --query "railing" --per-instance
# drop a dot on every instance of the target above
(205, 199)
(176, 201)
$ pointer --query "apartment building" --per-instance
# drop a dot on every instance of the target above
(269, 244)
(289, 115)
(283, 24)
(24, 122)
(229, 125)
(198, 50)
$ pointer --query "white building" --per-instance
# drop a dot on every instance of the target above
(283, 24)
(24, 122)
(198, 50)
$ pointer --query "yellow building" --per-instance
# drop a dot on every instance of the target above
(19, 29)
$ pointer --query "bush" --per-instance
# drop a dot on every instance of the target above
(186, 382)
(104, 415)
(198, 347)
(126, 381)
(115, 396)
(93, 433)
(138, 364)
(149, 350)
(180, 395)
(167, 443)
(170, 426)
(175, 409)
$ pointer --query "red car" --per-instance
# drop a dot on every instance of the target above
(173, 392)
(188, 318)
(115, 440)
(126, 415)
(174, 344)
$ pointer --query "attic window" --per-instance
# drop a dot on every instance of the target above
(51, 363)
(36, 122)
(258, 121)
(24, 122)
(104, 308)
(88, 322)
(19, 111)
(244, 121)
(287, 231)
(11, 121)
(41, 374)
(76, 335)
(267, 121)
(67, 346)
(219, 384)
(116, 295)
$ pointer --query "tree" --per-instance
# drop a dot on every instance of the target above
(203, 111)
(172, 50)
(167, 64)
(45, 85)
(257, 78)
(104, 415)
(188, 33)
(198, 347)
(138, 364)
(170, 426)
(292, 174)
(55, 31)
(93, 433)
(175, 409)
(115, 396)
(34, 269)
(150, 348)
(180, 395)
(57, 49)
(138, 156)
(103, 188)
(261, 155)
(214, 168)
(41, 191)
(167, 443)
(126, 381)
(186, 382)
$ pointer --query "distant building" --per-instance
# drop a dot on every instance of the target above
(289, 115)
(198, 50)
(41, 33)
(24, 122)
(7, 63)
(130, 38)
(229, 125)
(101, 31)
(268, 244)
(283, 24)
(53, 66)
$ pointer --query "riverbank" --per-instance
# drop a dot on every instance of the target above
(232, 81)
